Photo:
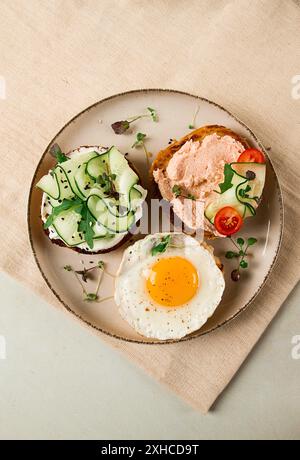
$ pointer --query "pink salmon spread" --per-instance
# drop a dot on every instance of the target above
(198, 169)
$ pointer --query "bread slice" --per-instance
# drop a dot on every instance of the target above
(126, 238)
(164, 156)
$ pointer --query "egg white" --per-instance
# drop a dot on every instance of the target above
(160, 322)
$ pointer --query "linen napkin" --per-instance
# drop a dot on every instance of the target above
(59, 57)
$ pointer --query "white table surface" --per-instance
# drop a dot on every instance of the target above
(59, 381)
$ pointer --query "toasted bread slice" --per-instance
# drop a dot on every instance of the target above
(164, 156)
(126, 238)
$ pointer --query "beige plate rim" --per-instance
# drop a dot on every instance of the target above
(188, 337)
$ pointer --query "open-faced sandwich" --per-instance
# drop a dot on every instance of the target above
(168, 285)
(91, 199)
(215, 166)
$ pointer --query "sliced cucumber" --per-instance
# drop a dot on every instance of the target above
(250, 200)
(101, 232)
(235, 196)
(83, 181)
(115, 224)
(136, 196)
(114, 162)
(49, 185)
(66, 226)
(135, 193)
(121, 207)
(119, 166)
(97, 166)
(109, 204)
(257, 184)
(118, 224)
(72, 166)
(65, 191)
(258, 168)
(226, 199)
(77, 177)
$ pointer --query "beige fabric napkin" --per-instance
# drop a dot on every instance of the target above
(58, 57)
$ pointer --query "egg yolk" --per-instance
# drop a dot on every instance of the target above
(172, 281)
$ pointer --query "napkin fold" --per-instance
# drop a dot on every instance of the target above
(59, 57)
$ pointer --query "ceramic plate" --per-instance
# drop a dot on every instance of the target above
(176, 110)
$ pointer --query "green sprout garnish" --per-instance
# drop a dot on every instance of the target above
(192, 125)
(241, 254)
(82, 277)
(120, 127)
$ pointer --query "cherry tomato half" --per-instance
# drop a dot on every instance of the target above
(228, 221)
(251, 156)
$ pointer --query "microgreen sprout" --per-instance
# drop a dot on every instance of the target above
(240, 254)
(140, 142)
(192, 125)
(177, 190)
(56, 152)
(82, 277)
(120, 127)
(161, 246)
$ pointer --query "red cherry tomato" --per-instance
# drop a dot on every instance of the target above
(228, 221)
(251, 156)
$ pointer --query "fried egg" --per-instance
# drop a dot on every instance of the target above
(170, 291)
